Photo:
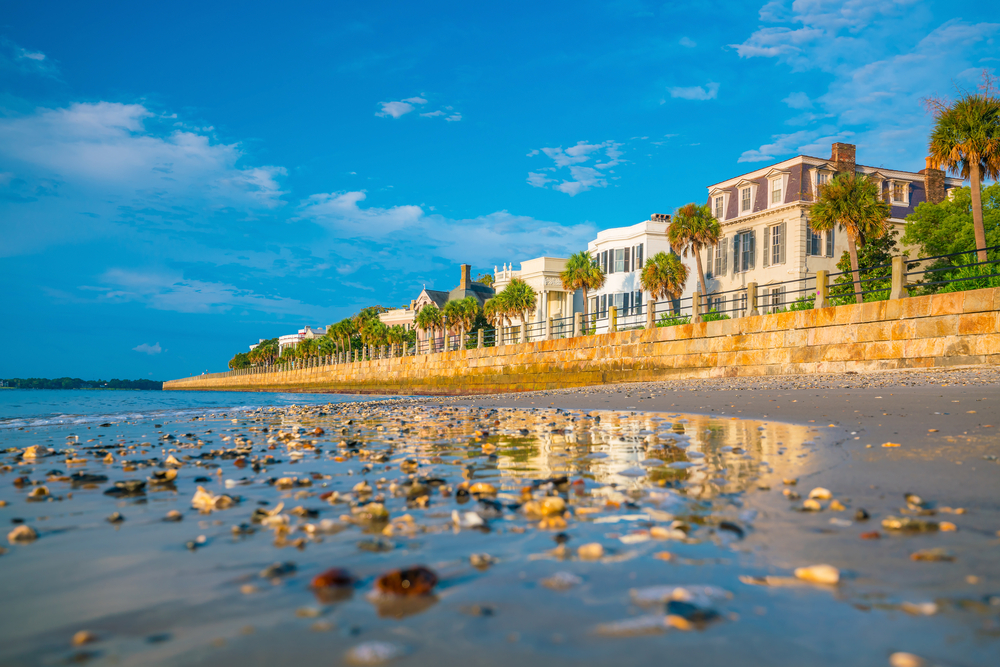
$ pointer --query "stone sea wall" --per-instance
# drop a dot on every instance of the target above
(959, 328)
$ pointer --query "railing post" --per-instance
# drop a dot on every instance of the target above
(696, 308)
(822, 289)
(548, 328)
(898, 290)
(650, 314)
(612, 319)
(752, 299)
(577, 324)
(523, 333)
(479, 339)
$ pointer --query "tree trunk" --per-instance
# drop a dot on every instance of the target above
(977, 212)
(855, 274)
(701, 272)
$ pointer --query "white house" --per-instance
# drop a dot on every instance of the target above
(621, 253)
(543, 275)
(290, 340)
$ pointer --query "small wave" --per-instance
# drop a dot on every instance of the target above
(63, 420)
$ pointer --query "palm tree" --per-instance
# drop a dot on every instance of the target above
(852, 202)
(966, 141)
(582, 273)
(692, 229)
(664, 276)
(451, 315)
(429, 319)
(518, 298)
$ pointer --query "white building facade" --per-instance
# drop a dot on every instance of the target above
(543, 274)
(621, 253)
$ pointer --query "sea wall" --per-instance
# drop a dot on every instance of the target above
(959, 328)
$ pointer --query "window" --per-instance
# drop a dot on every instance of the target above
(718, 206)
(595, 305)
(774, 244)
(619, 260)
(637, 302)
(721, 257)
(604, 261)
(638, 258)
(776, 197)
(717, 303)
(899, 192)
(604, 304)
(829, 243)
(743, 251)
(708, 262)
(745, 199)
(821, 180)
(814, 244)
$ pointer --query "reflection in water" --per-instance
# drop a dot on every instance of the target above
(545, 519)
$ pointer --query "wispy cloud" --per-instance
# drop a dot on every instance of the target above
(25, 61)
(707, 92)
(687, 42)
(400, 108)
(582, 176)
(146, 348)
(879, 67)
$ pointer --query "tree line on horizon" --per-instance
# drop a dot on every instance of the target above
(77, 383)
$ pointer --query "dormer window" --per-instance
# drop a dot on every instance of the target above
(776, 197)
(900, 192)
(719, 201)
(745, 200)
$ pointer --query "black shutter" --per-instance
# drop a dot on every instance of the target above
(639, 248)
(709, 263)
(829, 242)
(626, 253)
(737, 267)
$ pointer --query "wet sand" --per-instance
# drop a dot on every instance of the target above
(636, 459)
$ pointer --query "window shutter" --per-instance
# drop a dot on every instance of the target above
(829, 242)
(639, 247)
(709, 263)
(767, 247)
(725, 257)
(627, 253)
(781, 247)
(753, 248)
(809, 238)
(736, 254)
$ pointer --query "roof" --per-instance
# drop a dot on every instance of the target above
(479, 291)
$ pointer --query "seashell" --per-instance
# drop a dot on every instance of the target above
(819, 574)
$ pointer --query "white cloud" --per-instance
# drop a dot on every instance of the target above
(394, 109)
(879, 69)
(23, 61)
(106, 144)
(707, 92)
(798, 101)
(400, 108)
(804, 142)
(581, 177)
(145, 348)
(391, 237)
(687, 42)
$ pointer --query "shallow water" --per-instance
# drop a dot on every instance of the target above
(50, 407)
(148, 598)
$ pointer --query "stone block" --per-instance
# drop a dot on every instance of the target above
(934, 327)
(978, 323)
(914, 307)
(950, 303)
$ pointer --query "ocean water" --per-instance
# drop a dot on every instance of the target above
(32, 408)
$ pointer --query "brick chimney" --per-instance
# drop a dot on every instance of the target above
(466, 280)
(844, 156)
(933, 182)
(660, 217)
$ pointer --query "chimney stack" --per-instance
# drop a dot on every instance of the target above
(933, 182)
(844, 156)
(660, 217)
(466, 280)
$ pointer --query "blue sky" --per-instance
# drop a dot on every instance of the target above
(177, 181)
